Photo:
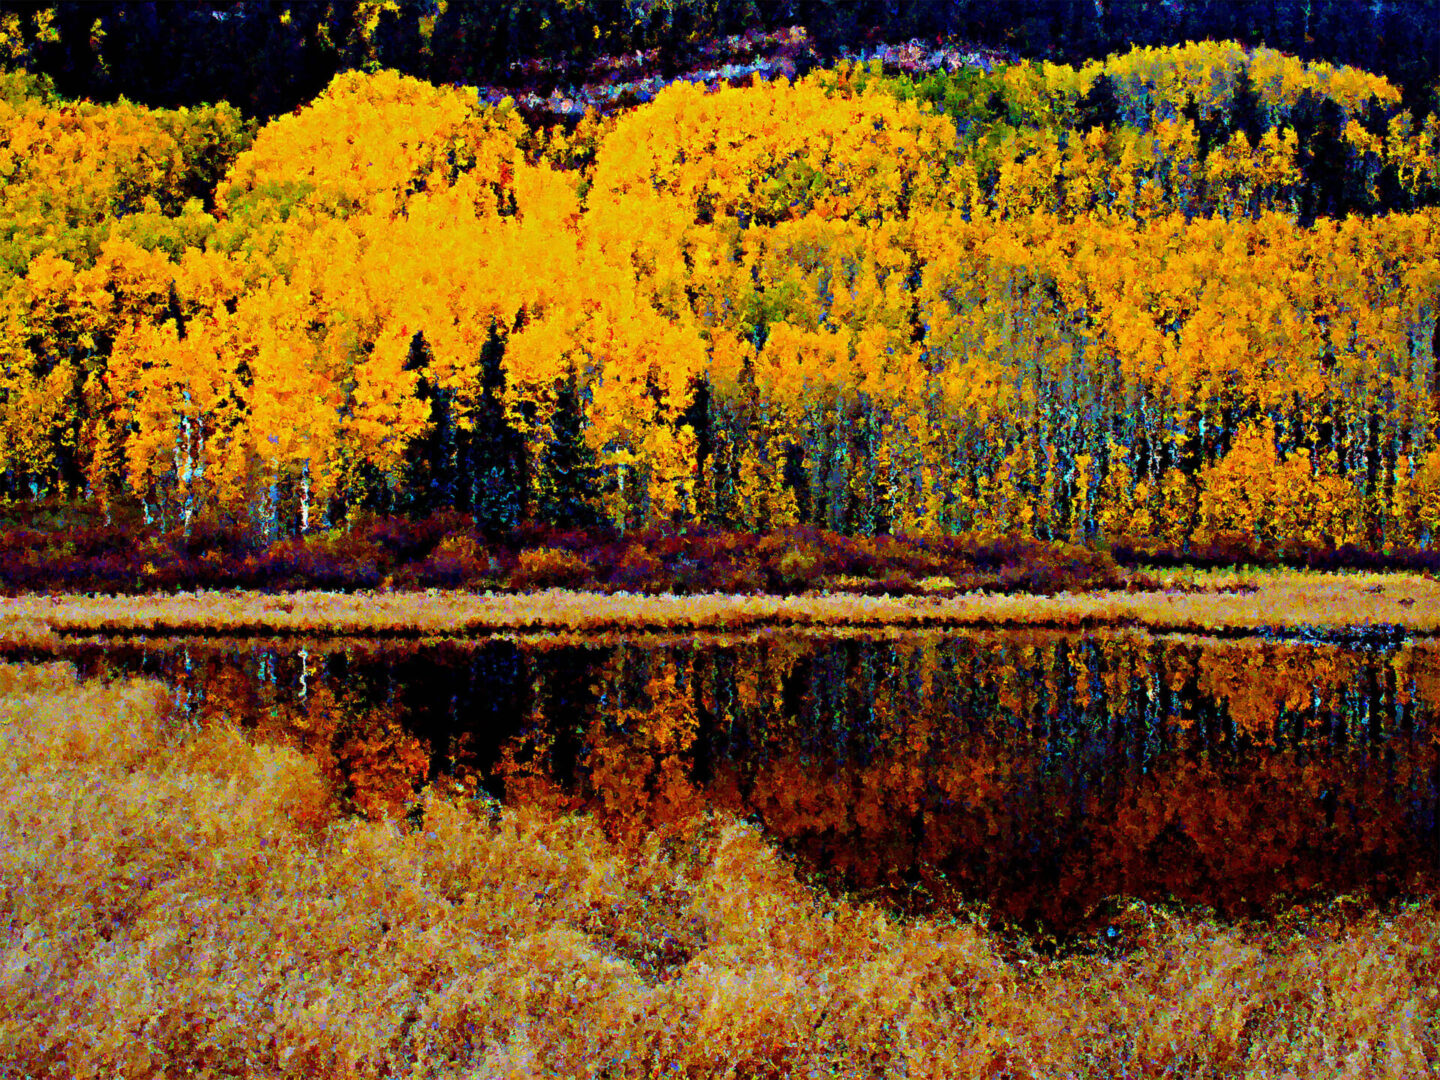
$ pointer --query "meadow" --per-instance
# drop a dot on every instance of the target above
(1225, 602)
(186, 902)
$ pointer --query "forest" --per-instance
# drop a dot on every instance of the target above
(1175, 299)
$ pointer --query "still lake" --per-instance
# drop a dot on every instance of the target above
(1040, 773)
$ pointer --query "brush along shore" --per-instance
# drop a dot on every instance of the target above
(1214, 603)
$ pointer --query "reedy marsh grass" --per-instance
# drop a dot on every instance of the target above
(1206, 602)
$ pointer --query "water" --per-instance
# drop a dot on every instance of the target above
(1043, 774)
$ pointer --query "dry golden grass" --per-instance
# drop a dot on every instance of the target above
(1283, 598)
(185, 903)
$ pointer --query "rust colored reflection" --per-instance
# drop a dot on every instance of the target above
(1037, 773)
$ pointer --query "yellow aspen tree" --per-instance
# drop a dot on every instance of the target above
(1174, 511)
(1277, 171)
(386, 413)
(1237, 494)
(1422, 493)
(773, 151)
(171, 396)
(370, 141)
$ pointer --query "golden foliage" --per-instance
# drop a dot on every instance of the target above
(894, 334)
(368, 142)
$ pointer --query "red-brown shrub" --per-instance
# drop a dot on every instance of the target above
(638, 571)
(549, 568)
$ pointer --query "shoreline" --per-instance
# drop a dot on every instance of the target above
(1301, 603)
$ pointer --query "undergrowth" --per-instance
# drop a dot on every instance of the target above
(67, 548)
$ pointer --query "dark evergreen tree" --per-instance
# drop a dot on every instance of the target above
(796, 478)
(834, 26)
(698, 416)
(1388, 195)
(1247, 114)
(49, 352)
(861, 501)
(1411, 53)
(569, 477)
(398, 43)
(1319, 127)
(1100, 107)
(174, 312)
(1212, 130)
(492, 469)
(372, 490)
(427, 481)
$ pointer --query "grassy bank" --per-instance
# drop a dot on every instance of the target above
(1207, 602)
(189, 904)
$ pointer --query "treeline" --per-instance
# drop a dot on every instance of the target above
(1113, 303)
(267, 58)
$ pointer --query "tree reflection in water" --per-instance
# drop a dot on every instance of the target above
(1042, 774)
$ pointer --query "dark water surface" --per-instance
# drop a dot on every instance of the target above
(1041, 773)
